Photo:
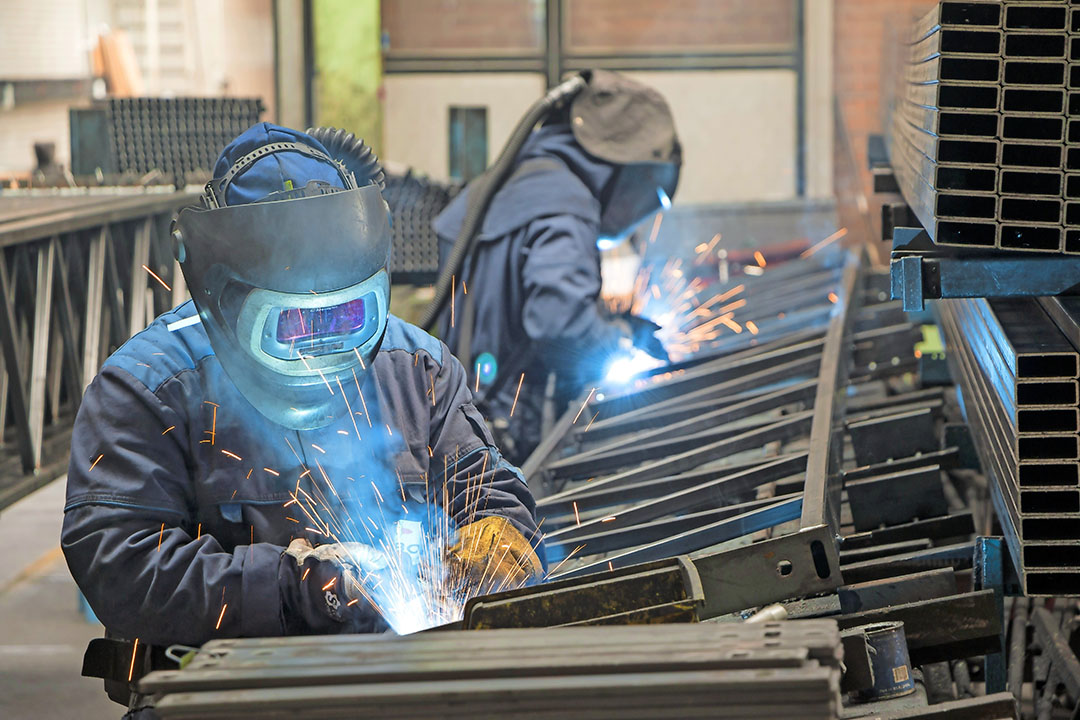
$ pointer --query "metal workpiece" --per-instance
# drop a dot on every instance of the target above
(789, 669)
(897, 589)
(80, 272)
(961, 91)
(1033, 475)
(896, 498)
(667, 590)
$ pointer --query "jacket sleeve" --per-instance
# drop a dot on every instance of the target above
(561, 278)
(129, 534)
(475, 478)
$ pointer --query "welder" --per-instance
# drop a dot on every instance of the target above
(524, 303)
(204, 449)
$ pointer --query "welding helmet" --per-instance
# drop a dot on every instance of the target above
(630, 126)
(286, 259)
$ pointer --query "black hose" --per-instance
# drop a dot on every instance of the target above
(357, 156)
(484, 189)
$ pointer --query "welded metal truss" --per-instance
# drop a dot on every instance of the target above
(74, 285)
(684, 454)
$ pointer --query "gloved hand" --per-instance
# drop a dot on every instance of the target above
(490, 556)
(320, 588)
(643, 335)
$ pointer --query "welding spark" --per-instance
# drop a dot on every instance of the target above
(752, 327)
(595, 415)
(160, 535)
(166, 430)
(234, 456)
(275, 473)
(222, 615)
(134, 649)
(831, 239)
(582, 409)
(96, 461)
(155, 276)
(516, 393)
(577, 518)
(759, 258)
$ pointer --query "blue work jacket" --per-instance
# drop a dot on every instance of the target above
(534, 277)
(180, 494)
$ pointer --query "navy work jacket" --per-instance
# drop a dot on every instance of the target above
(178, 497)
(534, 277)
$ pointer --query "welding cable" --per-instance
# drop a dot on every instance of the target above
(484, 189)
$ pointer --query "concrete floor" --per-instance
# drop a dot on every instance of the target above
(42, 632)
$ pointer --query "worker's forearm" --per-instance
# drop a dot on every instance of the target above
(163, 586)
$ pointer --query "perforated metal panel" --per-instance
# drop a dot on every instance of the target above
(414, 202)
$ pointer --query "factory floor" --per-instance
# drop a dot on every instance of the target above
(42, 632)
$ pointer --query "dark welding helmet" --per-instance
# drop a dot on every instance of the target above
(287, 260)
(630, 126)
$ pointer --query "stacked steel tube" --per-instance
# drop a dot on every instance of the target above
(775, 670)
(1017, 376)
(981, 139)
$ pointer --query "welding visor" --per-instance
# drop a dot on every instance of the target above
(293, 293)
(636, 192)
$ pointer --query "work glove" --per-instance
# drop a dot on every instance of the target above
(643, 335)
(490, 555)
(320, 588)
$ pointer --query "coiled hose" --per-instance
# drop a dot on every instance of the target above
(354, 152)
(484, 190)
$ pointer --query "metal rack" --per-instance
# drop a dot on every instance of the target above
(73, 286)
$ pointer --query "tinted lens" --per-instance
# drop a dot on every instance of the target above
(314, 323)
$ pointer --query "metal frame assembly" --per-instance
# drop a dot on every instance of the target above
(76, 280)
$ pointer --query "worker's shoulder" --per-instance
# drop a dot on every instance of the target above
(173, 343)
(408, 338)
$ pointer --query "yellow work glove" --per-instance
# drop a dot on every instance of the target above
(491, 556)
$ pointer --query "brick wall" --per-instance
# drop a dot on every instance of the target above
(480, 26)
(689, 25)
(862, 30)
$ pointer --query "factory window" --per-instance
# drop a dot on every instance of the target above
(462, 27)
(468, 141)
(609, 27)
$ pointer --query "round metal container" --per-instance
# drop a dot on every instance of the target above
(889, 660)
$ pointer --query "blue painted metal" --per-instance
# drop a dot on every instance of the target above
(989, 573)
(888, 661)
(922, 276)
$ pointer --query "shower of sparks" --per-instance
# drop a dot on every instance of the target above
(156, 277)
(696, 309)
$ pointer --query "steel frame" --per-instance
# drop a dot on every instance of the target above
(645, 458)
(61, 254)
